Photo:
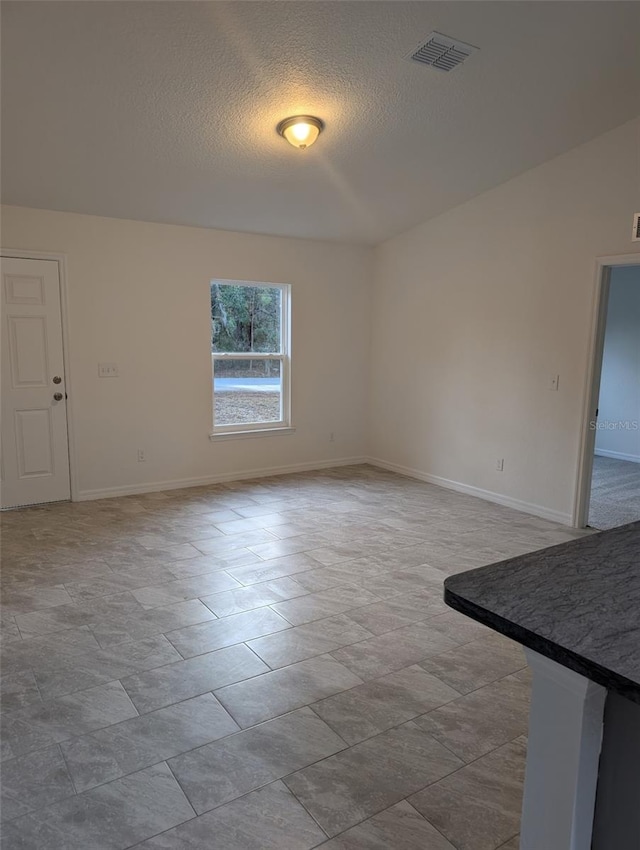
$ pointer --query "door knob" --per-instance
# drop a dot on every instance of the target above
(57, 396)
(57, 379)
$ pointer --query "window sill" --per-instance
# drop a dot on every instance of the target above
(257, 432)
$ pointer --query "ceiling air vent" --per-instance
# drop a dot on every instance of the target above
(441, 52)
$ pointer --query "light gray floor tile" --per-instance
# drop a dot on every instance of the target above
(33, 781)
(399, 611)
(478, 808)
(226, 631)
(399, 828)
(142, 569)
(302, 642)
(290, 546)
(184, 679)
(267, 512)
(213, 563)
(472, 665)
(404, 559)
(316, 606)
(22, 600)
(413, 580)
(220, 772)
(89, 668)
(239, 526)
(178, 552)
(355, 573)
(272, 694)
(254, 596)
(220, 516)
(39, 726)
(343, 790)
(330, 555)
(320, 579)
(50, 620)
(294, 529)
(84, 590)
(107, 606)
(372, 708)
(394, 650)
(186, 588)
(458, 627)
(371, 531)
(153, 621)
(525, 675)
(222, 546)
(9, 631)
(112, 817)
(276, 568)
(268, 819)
(481, 721)
(38, 652)
(142, 741)
(18, 690)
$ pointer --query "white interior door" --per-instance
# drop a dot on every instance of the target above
(35, 452)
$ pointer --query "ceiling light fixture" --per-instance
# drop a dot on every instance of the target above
(301, 131)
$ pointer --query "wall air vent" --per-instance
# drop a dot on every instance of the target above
(635, 235)
(441, 52)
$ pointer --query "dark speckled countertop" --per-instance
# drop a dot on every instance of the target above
(577, 603)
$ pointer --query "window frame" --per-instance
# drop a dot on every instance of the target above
(282, 425)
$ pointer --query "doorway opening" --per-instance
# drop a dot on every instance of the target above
(609, 483)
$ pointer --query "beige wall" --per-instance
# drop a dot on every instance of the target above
(139, 296)
(475, 310)
(472, 314)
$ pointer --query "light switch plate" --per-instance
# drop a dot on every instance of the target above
(107, 370)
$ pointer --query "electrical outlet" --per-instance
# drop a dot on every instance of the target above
(141, 456)
(500, 464)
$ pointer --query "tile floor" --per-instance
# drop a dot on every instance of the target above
(263, 665)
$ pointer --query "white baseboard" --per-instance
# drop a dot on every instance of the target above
(617, 455)
(468, 489)
(181, 483)
(265, 472)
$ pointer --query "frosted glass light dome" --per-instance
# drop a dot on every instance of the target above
(301, 131)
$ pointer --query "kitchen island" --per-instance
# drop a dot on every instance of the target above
(576, 610)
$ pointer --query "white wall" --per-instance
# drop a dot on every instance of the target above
(619, 400)
(139, 296)
(475, 310)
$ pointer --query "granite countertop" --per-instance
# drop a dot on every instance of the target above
(577, 603)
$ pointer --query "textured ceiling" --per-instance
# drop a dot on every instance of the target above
(167, 111)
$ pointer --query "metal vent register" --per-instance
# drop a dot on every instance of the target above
(441, 52)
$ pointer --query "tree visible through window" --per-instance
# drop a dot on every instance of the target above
(249, 352)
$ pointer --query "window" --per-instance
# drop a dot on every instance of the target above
(250, 357)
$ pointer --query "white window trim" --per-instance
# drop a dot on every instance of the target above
(257, 432)
(261, 429)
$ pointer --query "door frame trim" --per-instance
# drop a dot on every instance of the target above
(61, 260)
(591, 393)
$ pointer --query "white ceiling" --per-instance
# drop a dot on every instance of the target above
(167, 111)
